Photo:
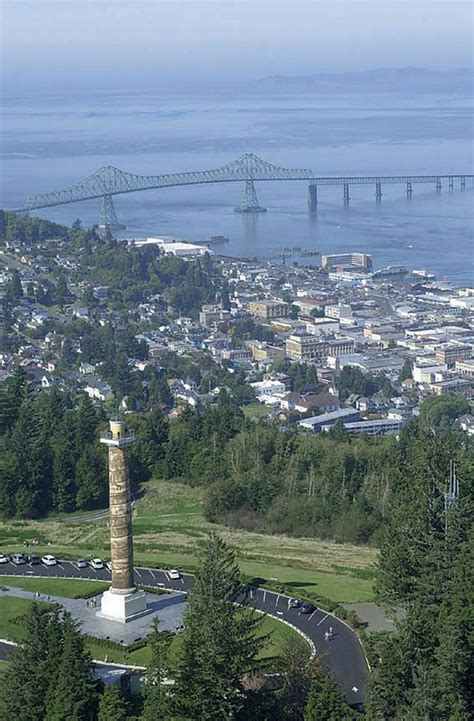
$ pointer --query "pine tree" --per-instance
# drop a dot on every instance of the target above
(157, 703)
(112, 705)
(64, 466)
(220, 646)
(75, 695)
(90, 479)
(297, 670)
(22, 691)
(86, 423)
(326, 702)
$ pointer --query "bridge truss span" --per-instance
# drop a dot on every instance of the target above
(108, 181)
(248, 168)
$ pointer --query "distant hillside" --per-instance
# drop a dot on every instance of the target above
(386, 80)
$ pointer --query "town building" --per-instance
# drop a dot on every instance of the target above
(268, 309)
(313, 347)
(378, 427)
(347, 260)
(315, 423)
(449, 353)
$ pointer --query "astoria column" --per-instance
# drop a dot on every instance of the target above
(123, 601)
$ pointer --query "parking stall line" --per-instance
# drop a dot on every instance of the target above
(138, 572)
(315, 611)
(277, 599)
(323, 619)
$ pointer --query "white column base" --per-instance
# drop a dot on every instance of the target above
(122, 607)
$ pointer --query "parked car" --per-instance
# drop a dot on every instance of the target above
(307, 607)
(3, 559)
(81, 563)
(173, 574)
(108, 566)
(33, 559)
(97, 564)
(48, 560)
(18, 559)
(294, 603)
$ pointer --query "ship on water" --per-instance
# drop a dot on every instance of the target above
(213, 240)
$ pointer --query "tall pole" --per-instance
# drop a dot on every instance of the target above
(122, 601)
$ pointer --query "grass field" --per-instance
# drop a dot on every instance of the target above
(56, 586)
(169, 528)
(256, 410)
(11, 608)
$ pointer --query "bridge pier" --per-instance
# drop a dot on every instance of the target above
(463, 183)
(346, 194)
(451, 183)
(378, 192)
(409, 189)
(249, 202)
(108, 216)
(312, 197)
(438, 185)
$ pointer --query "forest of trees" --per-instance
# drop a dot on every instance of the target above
(424, 670)
(255, 475)
(50, 458)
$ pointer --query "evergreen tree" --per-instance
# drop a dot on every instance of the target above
(326, 702)
(75, 694)
(297, 670)
(220, 646)
(13, 289)
(90, 479)
(406, 370)
(157, 703)
(22, 691)
(86, 422)
(112, 705)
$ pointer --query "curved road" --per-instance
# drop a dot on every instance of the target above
(342, 653)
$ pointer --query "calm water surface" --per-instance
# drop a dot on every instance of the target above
(52, 141)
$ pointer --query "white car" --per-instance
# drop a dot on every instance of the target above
(81, 563)
(48, 560)
(173, 574)
(3, 559)
(97, 564)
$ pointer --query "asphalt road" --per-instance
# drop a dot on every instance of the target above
(342, 653)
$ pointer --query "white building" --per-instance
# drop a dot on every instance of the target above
(268, 388)
(175, 247)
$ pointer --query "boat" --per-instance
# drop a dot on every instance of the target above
(391, 271)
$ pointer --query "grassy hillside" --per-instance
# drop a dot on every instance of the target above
(169, 528)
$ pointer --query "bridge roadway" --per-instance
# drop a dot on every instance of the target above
(343, 653)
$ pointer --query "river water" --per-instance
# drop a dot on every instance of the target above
(50, 141)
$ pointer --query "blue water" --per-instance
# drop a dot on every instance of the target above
(52, 141)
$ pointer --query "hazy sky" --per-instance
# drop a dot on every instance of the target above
(94, 43)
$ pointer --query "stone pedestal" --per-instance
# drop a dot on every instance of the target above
(122, 607)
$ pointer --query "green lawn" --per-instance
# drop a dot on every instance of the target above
(256, 410)
(278, 632)
(11, 608)
(56, 586)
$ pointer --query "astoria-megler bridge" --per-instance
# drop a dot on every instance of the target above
(109, 181)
